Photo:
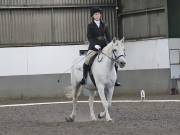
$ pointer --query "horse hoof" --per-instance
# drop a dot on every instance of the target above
(94, 119)
(100, 117)
(109, 120)
(69, 119)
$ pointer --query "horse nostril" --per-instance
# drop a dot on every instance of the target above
(122, 64)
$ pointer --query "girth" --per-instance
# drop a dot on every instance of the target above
(90, 71)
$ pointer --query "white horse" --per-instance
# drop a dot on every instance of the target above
(104, 75)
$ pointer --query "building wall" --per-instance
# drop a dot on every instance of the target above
(45, 71)
(38, 60)
(49, 22)
(174, 50)
(143, 18)
(174, 18)
(148, 54)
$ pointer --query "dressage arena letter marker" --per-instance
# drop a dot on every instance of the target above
(142, 95)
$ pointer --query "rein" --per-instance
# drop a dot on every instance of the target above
(112, 59)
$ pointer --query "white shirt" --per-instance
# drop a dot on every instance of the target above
(97, 23)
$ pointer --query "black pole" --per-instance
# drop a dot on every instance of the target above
(120, 23)
(116, 20)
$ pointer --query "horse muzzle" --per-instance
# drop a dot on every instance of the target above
(122, 64)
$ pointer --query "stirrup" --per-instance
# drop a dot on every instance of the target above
(117, 83)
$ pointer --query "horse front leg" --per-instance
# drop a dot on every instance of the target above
(108, 95)
(91, 105)
(101, 115)
(104, 102)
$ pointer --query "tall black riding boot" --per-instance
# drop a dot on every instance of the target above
(117, 83)
(85, 73)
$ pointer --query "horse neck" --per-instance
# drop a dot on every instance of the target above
(108, 55)
(108, 50)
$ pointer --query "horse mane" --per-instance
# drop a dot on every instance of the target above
(108, 48)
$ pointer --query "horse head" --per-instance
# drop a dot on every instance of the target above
(118, 52)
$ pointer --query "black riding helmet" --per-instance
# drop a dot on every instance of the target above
(95, 10)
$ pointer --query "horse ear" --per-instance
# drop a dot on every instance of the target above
(122, 40)
(114, 39)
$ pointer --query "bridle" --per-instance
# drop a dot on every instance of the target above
(111, 58)
(117, 57)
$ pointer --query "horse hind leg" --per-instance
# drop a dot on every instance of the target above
(76, 94)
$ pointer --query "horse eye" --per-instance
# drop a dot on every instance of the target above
(115, 50)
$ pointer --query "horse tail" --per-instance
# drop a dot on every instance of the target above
(70, 92)
(75, 90)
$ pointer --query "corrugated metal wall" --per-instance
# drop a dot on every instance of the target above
(53, 2)
(143, 18)
(44, 22)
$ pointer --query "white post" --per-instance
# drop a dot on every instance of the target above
(142, 95)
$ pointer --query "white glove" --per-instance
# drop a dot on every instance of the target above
(97, 47)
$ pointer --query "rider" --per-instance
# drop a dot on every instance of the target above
(98, 37)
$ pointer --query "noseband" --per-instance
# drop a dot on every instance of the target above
(111, 58)
(116, 57)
